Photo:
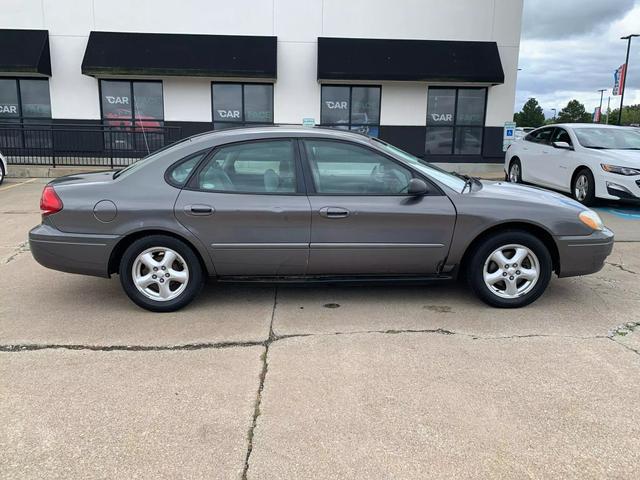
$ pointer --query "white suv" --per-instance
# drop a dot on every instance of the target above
(587, 160)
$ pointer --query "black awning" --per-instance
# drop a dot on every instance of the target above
(25, 51)
(115, 53)
(408, 60)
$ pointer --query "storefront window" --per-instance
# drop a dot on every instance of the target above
(236, 104)
(24, 101)
(354, 108)
(455, 121)
(135, 112)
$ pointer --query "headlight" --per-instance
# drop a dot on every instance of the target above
(620, 170)
(591, 219)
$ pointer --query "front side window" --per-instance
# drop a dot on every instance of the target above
(354, 108)
(340, 168)
(455, 121)
(561, 135)
(255, 167)
(236, 104)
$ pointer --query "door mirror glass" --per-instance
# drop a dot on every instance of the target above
(417, 187)
(563, 145)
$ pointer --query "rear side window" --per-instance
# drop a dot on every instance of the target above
(179, 173)
(266, 166)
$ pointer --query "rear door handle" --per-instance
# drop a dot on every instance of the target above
(334, 212)
(198, 210)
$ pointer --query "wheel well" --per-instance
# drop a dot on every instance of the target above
(124, 243)
(539, 232)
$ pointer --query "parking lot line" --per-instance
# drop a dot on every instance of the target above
(17, 184)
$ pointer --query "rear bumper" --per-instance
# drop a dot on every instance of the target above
(71, 252)
(583, 255)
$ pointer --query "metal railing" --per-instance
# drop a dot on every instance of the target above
(82, 145)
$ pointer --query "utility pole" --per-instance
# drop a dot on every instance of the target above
(602, 90)
(626, 70)
(608, 107)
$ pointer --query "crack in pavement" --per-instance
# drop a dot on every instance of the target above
(20, 249)
(263, 375)
(621, 267)
(273, 338)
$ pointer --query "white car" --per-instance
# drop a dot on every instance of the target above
(587, 160)
(3, 168)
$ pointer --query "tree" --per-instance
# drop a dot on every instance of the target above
(531, 115)
(630, 115)
(574, 112)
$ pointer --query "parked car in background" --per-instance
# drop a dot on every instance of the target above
(522, 131)
(309, 204)
(587, 160)
(3, 168)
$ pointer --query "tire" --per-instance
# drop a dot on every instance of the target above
(584, 193)
(515, 171)
(2, 173)
(482, 264)
(177, 281)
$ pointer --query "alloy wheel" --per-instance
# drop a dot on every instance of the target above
(514, 173)
(511, 271)
(160, 273)
(581, 188)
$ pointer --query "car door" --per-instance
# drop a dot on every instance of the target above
(363, 222)
(534, 155)
(247, 204)
(557, 171)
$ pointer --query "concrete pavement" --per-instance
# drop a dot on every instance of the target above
(315, 382)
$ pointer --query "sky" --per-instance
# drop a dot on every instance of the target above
(570, 49)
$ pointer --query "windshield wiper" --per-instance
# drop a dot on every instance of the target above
(468, 180)
(117, 173)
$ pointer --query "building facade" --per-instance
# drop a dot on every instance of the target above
(435, 77)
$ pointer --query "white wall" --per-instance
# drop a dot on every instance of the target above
(296, 23)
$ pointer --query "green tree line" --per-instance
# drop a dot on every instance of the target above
(532, 115)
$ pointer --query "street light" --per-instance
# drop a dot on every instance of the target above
(602, 90)
(626, 71)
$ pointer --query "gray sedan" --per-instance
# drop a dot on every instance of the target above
(309, 204)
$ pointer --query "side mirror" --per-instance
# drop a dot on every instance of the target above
(563, 145)
(417, 187)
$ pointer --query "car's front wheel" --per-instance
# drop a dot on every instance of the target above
(160, 273)
(515, 171)
(583, 187)
(1, 173)
(510, 269)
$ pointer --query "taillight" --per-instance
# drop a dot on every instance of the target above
(50, 201)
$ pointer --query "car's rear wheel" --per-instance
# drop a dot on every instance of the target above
(583, 187)
(510, 269)
(1, 174)
(515, 171)
(160, 273)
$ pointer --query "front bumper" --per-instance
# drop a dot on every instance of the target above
(618, 187)
(72, 252)
(582, 255)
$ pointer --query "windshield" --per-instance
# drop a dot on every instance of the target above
(432, 171)
(609, 138)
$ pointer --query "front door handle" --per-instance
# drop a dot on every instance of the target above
(334, 212)
(198, 210)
